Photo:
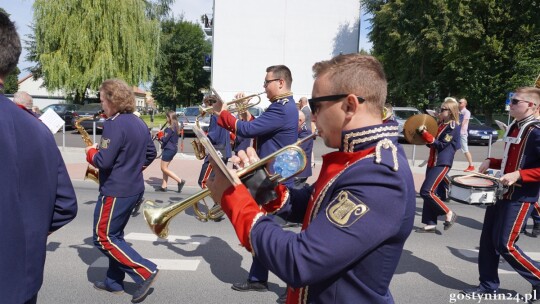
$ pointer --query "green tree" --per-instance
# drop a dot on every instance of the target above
(478, 49)
(11, 84)
(80, 43)
(180, 76)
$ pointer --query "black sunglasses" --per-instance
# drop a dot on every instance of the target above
(313, 101)
(515, 101)
(444, 109)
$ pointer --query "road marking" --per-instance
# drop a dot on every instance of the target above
(162, 264)
(473, 253)
(177, 239)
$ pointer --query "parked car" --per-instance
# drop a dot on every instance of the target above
(65, 111)
(90, 110)
(401, 114)
(188, 118)
(479, 133)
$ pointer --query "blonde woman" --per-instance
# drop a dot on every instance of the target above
(442, 147)
(169, 145)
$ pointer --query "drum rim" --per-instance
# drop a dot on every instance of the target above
(463, 186)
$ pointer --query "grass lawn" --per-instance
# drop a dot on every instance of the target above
(158, 119)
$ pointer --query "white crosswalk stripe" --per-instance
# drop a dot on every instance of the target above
(177, 239)
(163, 264)
(470, 253)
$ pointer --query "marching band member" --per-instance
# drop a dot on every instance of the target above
(36, 194)
(442, 149)
(276, 128)
(503, 221)
(169, 145)
(220, 139)
(125, 149)
(357, 215)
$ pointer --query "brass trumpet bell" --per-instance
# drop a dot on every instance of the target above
(158, 219)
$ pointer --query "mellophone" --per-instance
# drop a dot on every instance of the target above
(475, 189)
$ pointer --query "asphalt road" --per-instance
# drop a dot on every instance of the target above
(200, 261)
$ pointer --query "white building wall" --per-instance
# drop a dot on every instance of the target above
(250, 35)
(40, 95)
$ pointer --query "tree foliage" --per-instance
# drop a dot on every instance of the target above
(477, 49)
(11, 83)
(180, 75)
(80, 43)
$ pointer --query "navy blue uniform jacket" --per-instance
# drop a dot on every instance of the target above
(356, 218)
(120, 161)
(276, 128)
(169, 140)
(219, 137)
(36, 198)
(444, 146)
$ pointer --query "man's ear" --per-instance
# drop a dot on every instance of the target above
(351, 105)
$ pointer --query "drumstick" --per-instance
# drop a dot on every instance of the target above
(480, 174)
(488, 177)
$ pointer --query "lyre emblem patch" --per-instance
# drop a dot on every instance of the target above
(104, 143)
(345, 209)
(448, 138)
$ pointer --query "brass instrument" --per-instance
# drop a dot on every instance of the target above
(92, 173)
(239, 105)
(413, 123)
(198, 148)
(537, 82)
(158, 219)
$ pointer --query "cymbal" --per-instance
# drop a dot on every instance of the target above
(415, 121)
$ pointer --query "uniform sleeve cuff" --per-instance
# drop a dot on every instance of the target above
(90, 156)
(278, 203)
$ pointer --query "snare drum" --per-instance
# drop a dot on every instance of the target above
(474, 190)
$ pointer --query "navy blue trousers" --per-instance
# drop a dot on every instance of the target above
(432, 189)
(500, 232)
(110, 218)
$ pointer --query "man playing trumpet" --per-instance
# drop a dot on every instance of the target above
(357, 215)
(276, 128)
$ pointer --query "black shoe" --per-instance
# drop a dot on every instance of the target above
(161, 189)
(478, 291)
(282, 298)
(250, 286)
(448, 224)
(140, 294)
(181, 185)
(536, 230)
(99, 285)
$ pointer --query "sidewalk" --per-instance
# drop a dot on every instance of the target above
(187, 167)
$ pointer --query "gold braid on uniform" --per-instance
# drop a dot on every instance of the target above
(281, 96)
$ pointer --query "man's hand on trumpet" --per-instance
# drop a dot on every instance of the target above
(244, 115)
(218, 182)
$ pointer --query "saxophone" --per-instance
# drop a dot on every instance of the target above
(198, 148)
(92, 172)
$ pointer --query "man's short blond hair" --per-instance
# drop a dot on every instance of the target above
(357, 74)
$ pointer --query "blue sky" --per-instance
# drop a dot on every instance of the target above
(21, 12)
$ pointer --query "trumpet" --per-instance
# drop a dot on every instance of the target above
(239, 105)
(158, 219)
